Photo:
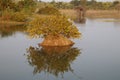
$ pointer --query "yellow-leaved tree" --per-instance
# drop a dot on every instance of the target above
(55, 29)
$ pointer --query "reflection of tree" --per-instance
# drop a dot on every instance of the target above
(54, 60)
(10, 30)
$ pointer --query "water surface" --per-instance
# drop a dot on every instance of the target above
(95, 56)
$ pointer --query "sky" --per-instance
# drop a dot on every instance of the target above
(70, 0)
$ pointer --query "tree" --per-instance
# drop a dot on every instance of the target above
(75, 2)
(118, 7)
(56, 29)
(93, 3)
(83, 3)
(115, 2)
(8, 30)
(26, 3)
(53, 2)
(47, 10)
(5, 4)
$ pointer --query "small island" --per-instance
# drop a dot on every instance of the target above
(56, 29)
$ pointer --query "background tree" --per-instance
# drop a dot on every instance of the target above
(52, 25)
(115, 2)
(118, 7)
(26, 6)
(75, 2)
(4, 4)
(83, 3)
(27, 3)
(47, 10)
(53, 2)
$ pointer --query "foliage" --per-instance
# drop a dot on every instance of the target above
(7, 14)
(75, 2)
(16, 11)
(89, 4)
(19, 17)
(17, 6)
(118, 7)
(63, 5)
(49, 11)
(4, 4)
(115, 2)
(42, 26)
(7, 30)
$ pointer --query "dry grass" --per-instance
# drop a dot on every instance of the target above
(93, 13)
(11, 23)
(69, 13)
(103, 14)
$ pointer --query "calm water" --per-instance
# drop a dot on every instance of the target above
(96, 56)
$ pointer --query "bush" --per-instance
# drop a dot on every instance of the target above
(0, 14)
(53, 25)
(7, 14)
(19, 17)
(49, 11)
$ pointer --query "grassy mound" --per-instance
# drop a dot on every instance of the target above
(58, 40)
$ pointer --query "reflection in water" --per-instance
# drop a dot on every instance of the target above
(6, 31)
(117, 25)
(53, 60)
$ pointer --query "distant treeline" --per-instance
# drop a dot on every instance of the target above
(16, 6)
(92, 4)
(19, 11)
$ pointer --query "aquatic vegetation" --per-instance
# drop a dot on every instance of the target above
(10, 15)
(41, 26)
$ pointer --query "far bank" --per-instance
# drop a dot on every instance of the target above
(93, 13)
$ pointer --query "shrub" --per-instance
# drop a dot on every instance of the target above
(52, 25)
(54, 60)
(49, 11)
(19, 17)
(7, 14)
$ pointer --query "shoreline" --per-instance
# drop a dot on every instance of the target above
(11, 23)
(93, 13)
(103, 14)
(71, 13)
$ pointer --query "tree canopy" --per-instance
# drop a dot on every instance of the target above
(5, 4)
(54, 25)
